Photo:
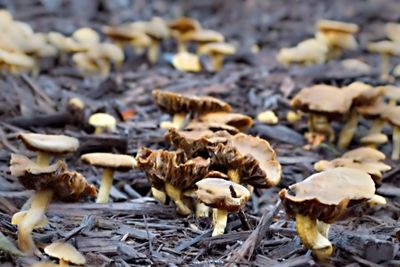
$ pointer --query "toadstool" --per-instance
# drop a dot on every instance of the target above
(102, 121)
(66, 253)
(217, 51)
(181, 26)
(386, 49)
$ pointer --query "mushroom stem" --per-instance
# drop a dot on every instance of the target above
(18, 217)
(98, 130)
(234, 176)
(311, 237)
(393, 102)
(176, 195)
(181, 46)
(42, 159)
(320, 124)
(221, 218)
(159, 195)
(105, 186)
(348, 130)
(323, 228)
(376, 127)
(35, 214)
(63, 263)
(202, 210)
(153, 51)
(385, 66)
(218, 60)
(178, 120)
(396, 142)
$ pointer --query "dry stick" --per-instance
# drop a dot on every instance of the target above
(248, 247)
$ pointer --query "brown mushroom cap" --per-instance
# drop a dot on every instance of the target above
(363, 154)
(124, 32)
(326, 195)
(384, 47)
(362, 94)
(203, 36)
(66, 252)
(177, 103)
(338, 26)
(68, 186)
(377, 139)
(217, 49)
(324, 99)
(156, 28)
(393, 31)
(212, 126)
(216, 193)
(184, 25)
(111, 161)
(163, 166)
(237, 120)
(54, 144)
(375, 110)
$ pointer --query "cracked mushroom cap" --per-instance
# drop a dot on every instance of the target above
(337, 26)
(66, 252)
(173, 167)
(363, 154)
(326, 195)
(219, 48)
(384, 47)
(177, 103)
(203, 36)
(67, 186)
(237, 120)
(319, 99)
(374, 139)
(393, 31)
(122, 163)
(183, 25)
(222, 194)
(54, 144)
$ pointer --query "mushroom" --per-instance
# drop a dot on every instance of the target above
(128, 34)
(393, 31)
(385, 49)
(187, 62)
(356, 65)
(363, 154)
(212, 126)
(102, 121)
(337, 35)
(374, 111)
(66, 253)
(374, 140)
(392, 116)
(179, 105)
(157, 30)
(86, 36)
(217, 51)
(202, 37)
(223, 196)
(317, 101)
(110, 163)
(392, 93)
(268, 117)
(320, 199)
(237, 120)
(181, 26)
(48, 182)
(172, 173)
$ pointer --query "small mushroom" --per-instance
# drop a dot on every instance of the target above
(102, 121)
(392, 93)
(179, 105)
(393, 31)
(181, 26)
(48, 182)
(375, 112)
(110, 163)
(187, 62)
(237, 120)
(172, 173)
(268, 117)
(386, 49)
(157, 30)
(217, 51)
(128, 34)
(320, 199)
(223, 196)
(86, 36)
(374, 140)
(202, 37)
(66, 253)
(317, 101)
(363, 154)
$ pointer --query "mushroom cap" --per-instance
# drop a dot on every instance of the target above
(54, 144)
(177, 103)
(384, 47)
(156, 28)
(338, 26)
(124, 32)
(203, 36)
(183, 25)
(110, 161)
(319, 99)
(391, 92)
(363, 154)
(356, 65)
(326, 195)
(185, 61)
(393, 31)
(103, 120)
(392, 115)
(310, 51)
(110, 51)
(237, 120)
(362, 94)
(66, 252)
(374, 110)
(212, 126)
(173, 167)
(377, 139)
(216, 193)
(86, 36)
(67, 186)
(217, 49)
(341, 40)
(17, 59)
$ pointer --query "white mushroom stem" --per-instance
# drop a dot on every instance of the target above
(385, 65)
(105, 186)
(396, 142)
(159, 195)
(311, 237)
(218, 61)
(63, 263)
(178, 120)
(176, 195)
(98, 130)
(181, 45)
(153, 51)
(318, 123)
(33, 217)
(348, 130)
(42, 159)
(323, 228)
(376, 127)
(220, 218)
(202, 210)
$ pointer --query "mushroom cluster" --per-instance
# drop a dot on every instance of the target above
(331, 39)
(213, 164)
